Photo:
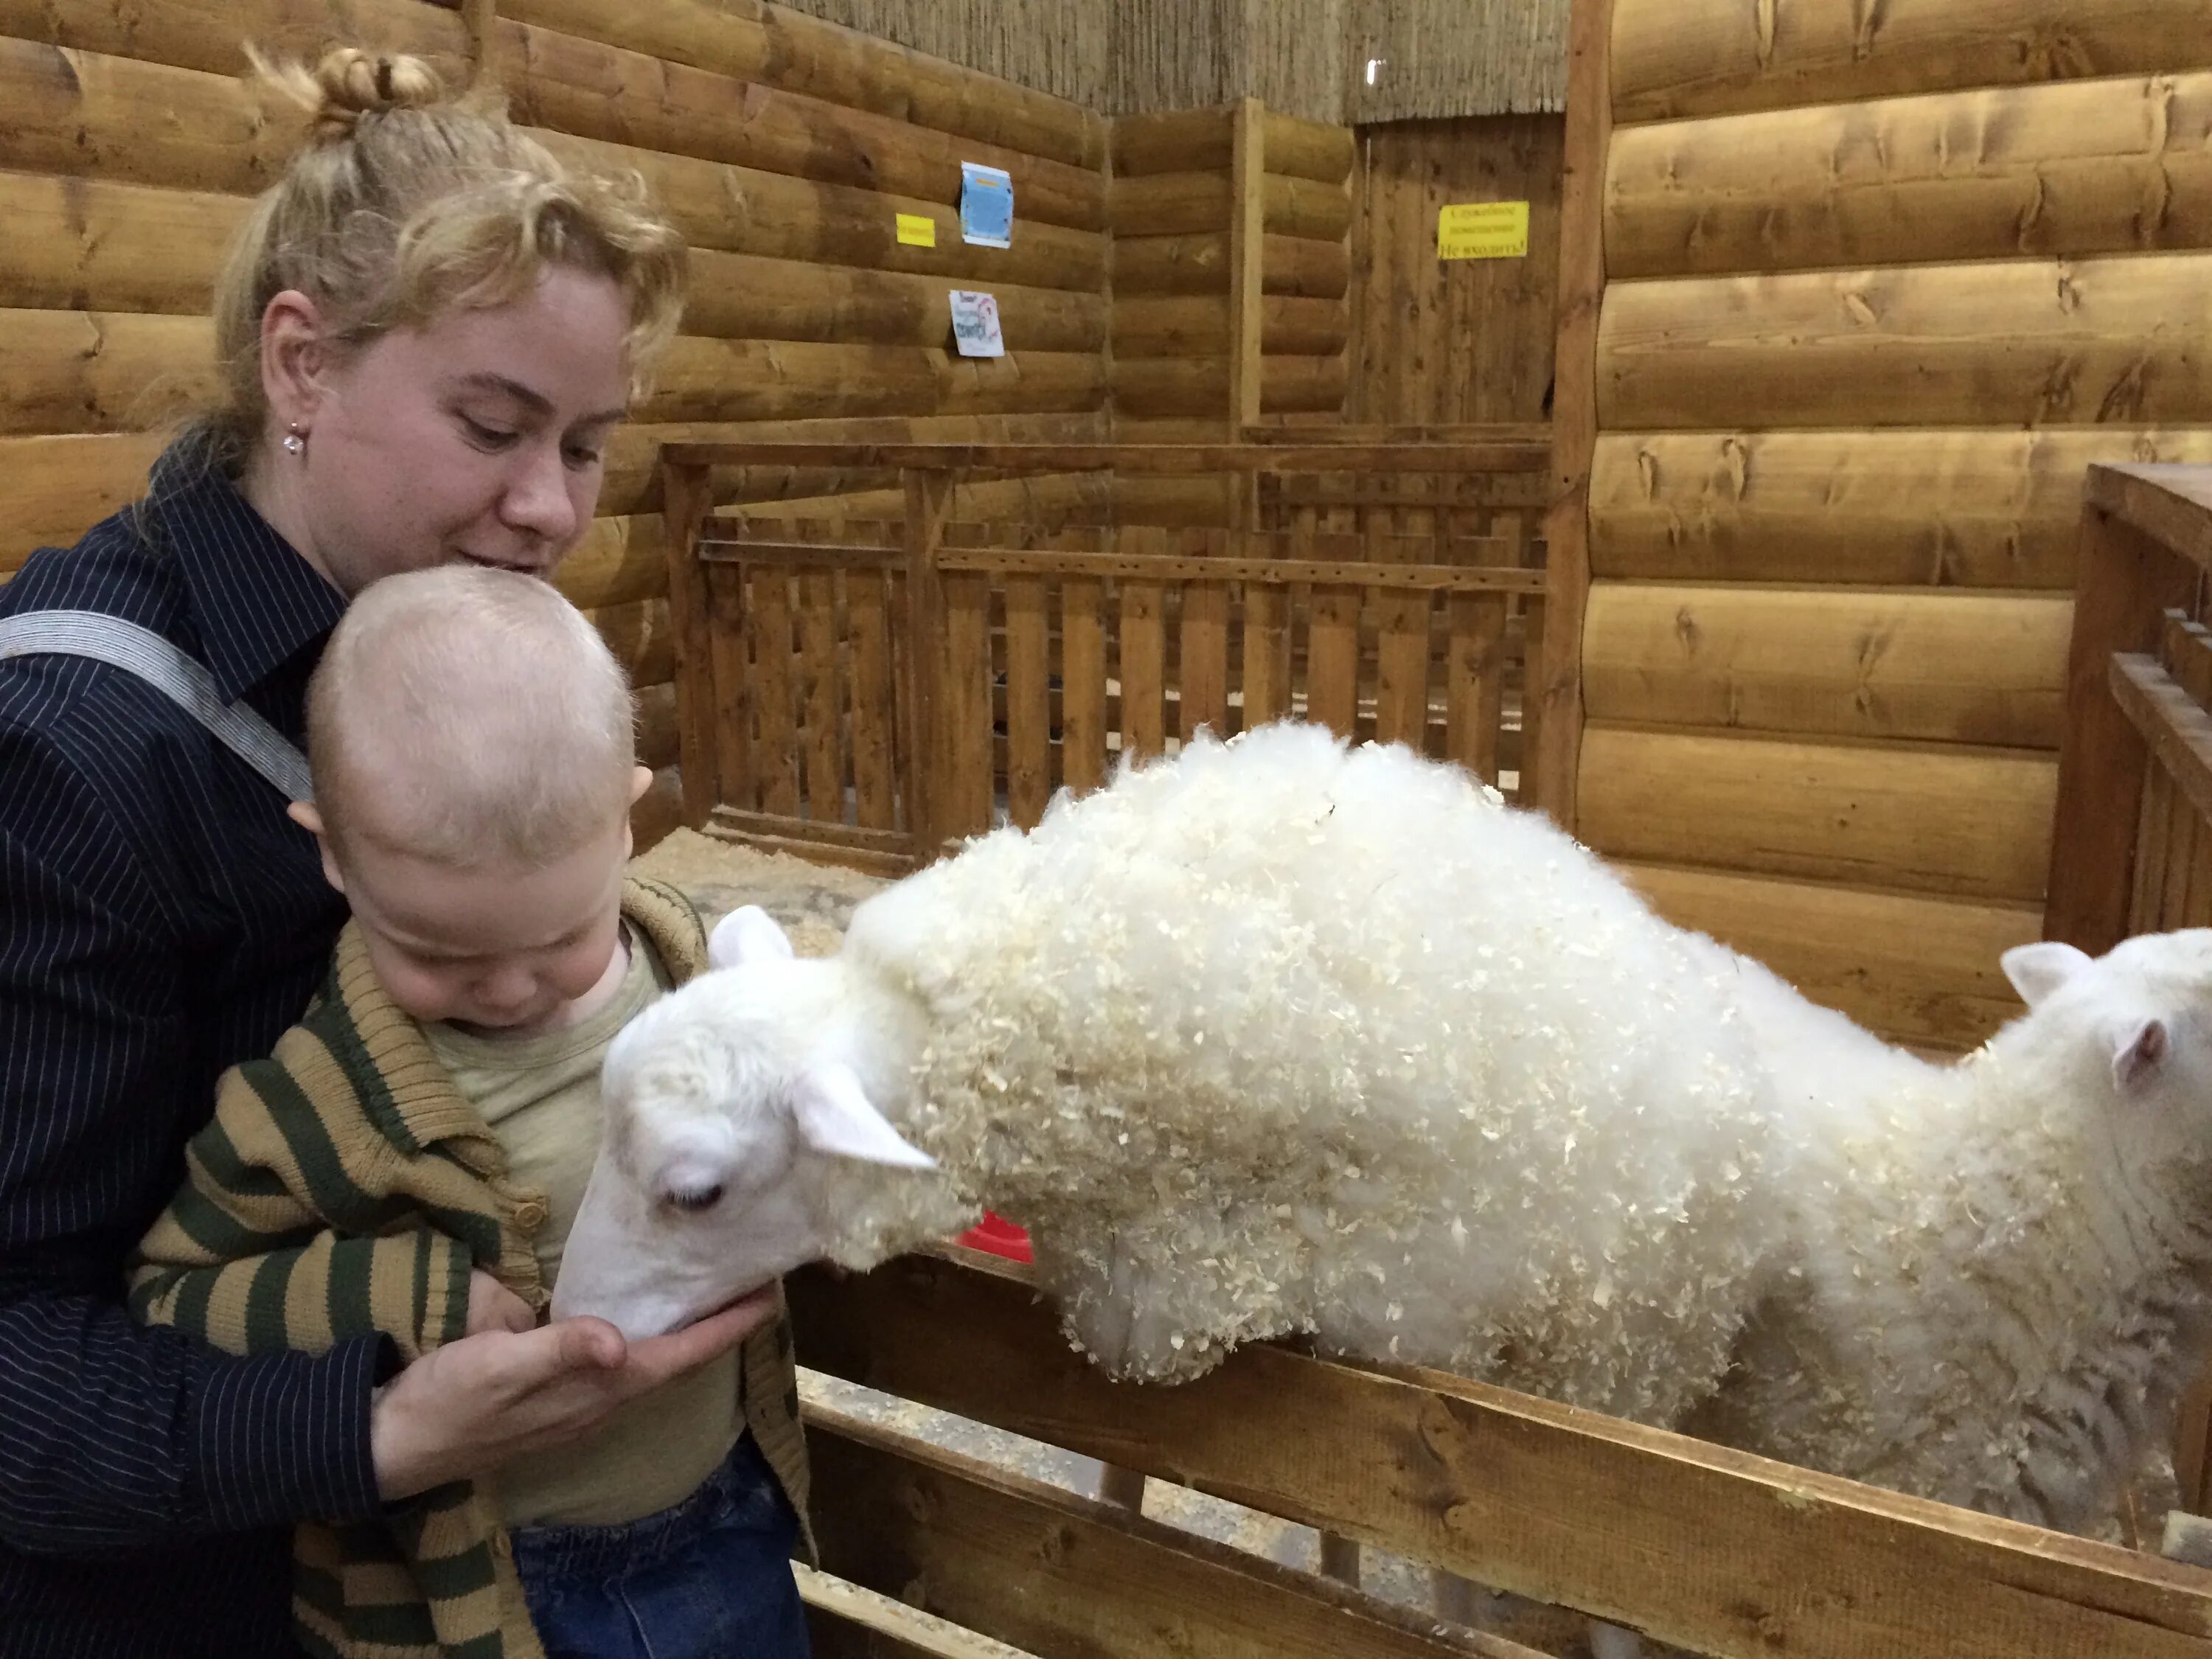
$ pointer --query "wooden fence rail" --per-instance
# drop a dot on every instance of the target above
(2131, 850)
(1706, 1548)
(872, 688)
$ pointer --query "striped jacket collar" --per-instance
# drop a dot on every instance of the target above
(411, 1098)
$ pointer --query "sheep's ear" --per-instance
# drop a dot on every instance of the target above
(834, 1116)
(2136, 1051)
(746, 934)
(2037, 971)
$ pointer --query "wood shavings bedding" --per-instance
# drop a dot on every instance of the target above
(812, 902)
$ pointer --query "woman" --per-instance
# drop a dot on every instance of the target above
(427, 330)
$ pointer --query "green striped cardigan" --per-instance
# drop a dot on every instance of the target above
(345, 1187)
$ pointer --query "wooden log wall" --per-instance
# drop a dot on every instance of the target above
(1878, 284)
(781, 145)
(1231, 263)
(1441, 342)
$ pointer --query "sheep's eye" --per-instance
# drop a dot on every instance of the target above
(691, 1203)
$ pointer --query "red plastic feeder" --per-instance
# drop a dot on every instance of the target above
(999, 1237)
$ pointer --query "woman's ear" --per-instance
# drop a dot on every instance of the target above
(294, 358)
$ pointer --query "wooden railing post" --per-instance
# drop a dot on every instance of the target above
(928, 502)
(481, 19)
(687, 495)
(1247, 204)
(1553, 697)
(2124, 582)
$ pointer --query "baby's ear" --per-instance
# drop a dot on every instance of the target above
(746, 934)
(303, 813)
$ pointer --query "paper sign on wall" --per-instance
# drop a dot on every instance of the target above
(976, 325)
(987, 205)
(917, 230)
(1483, 230)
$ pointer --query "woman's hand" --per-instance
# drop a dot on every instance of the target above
(493, 1307)
(473, 1404)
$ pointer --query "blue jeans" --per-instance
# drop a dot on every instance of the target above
(708, 1579)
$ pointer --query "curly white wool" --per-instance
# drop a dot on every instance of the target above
(1286, 1037)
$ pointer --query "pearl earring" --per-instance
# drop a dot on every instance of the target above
(295, 443)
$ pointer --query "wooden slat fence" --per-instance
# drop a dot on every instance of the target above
(1712, 1550)
(870, 688)
(1223, 630)
(2131, 846)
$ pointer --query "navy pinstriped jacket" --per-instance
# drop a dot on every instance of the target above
(159, 921)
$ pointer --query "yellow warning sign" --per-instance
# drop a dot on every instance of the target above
(917, 230)
(1483, 230)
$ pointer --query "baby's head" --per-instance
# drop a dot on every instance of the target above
(474, 756)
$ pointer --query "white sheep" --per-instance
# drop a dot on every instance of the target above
(1275, 1038)
(1280, 1037)
(1995, 1288)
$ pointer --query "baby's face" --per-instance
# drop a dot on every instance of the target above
(501, 947)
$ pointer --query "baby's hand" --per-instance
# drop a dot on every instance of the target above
(493, 1307)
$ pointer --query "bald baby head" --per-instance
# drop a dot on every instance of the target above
(468, 718)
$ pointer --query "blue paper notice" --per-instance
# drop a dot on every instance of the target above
(987, 205)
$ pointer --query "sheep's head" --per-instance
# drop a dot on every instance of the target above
(2134, 1025)
(721, 1101)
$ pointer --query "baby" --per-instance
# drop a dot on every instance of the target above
(410, 1160)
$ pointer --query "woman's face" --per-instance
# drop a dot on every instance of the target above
(477, 438)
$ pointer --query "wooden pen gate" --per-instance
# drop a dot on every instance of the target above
(2131, 848)
(873, 688)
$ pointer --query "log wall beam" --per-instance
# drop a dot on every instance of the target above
(81, 244)
(1176, 386)
(1675, 60)
(1920, 969)
(745, 210)
(1200, 140)
(1199, 264)
(2069, 169)
(207, 34)
(1976, 507)
(1959, 822)
(602, 91)
(1875, 664)
(1176, 204)
(748, 40)
(75, 371)
(2027, 342)
(1198, 325)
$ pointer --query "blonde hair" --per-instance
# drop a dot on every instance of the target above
(407, 202)
(479, 712)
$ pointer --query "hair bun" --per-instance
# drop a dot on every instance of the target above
(349, 83)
